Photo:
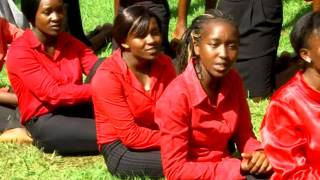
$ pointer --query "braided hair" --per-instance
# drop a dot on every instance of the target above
(193, 34)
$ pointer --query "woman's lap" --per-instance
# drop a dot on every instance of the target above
(124, 162)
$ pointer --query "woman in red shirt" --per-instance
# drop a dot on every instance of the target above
(126, 88)
(291, 126)
(205, 108)
(9, 118)
(45, 68)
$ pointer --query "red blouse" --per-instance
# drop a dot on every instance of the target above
(291, 131)
(123, 109)
(195, 133)
(8, 32)
(42, 83)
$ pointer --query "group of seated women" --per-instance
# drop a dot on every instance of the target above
(147, 121)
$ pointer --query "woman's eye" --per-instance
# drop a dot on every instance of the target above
(232, 46)
(155, 32)
(46, 12)
(214, 45)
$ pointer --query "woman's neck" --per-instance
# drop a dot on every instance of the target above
(210, 84)
(312, 78)
(141, 69)
(137, 65)
(47, 41)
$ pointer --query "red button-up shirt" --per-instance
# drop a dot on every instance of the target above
(8, 32)
(123, 109)
(42, 83)
(291, 131)
(195, 133)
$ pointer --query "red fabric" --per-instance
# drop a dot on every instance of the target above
(291, 131)
(195, 133)
(123, 109)
(42, 83)
(8, 32)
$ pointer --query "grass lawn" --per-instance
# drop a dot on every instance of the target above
(27, 162)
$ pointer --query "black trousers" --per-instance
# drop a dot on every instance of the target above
(68, 131)
(9, 118)
(260, 26)
(124, 162)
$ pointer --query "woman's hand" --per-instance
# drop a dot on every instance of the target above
(255, 163)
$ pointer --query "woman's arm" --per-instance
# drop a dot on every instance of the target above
(172, 116)
(7, 98)
(285, 143)
(116, 6)
(111, 108)
(85, 54)
(243, 135)
(24, 65)
(181, 25)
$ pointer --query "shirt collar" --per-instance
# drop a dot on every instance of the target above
(157, 70)
(197, 93)
(34, 42)
(313, 94)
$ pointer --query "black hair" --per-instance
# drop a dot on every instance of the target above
(132, 20)
(193, 33)
(301, 32)
(29, 8)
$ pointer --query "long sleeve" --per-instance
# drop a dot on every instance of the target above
(173, 117)
(86, 56)
(8, 32)
(112, 108)
(285, 142)
(244, 136)
(25, 66)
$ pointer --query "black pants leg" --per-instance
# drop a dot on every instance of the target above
(251, 177)
(9, 118)
(5, 113)
(65, 133)
(258, 75)
(260, 26)
(125, 162)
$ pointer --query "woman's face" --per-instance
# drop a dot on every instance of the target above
(148, 46)
(312, 53)
(217, 47)
(49, 17)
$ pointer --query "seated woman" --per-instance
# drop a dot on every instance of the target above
(9, 122)
(45, 68)
(125, 89)
(291, 126)
(205, 108)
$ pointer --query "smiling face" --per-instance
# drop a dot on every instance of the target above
(217, 48)
(146, 46)
(49, 17)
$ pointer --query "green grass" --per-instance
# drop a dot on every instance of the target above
(27, 162)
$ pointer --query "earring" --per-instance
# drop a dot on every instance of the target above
(125, 45)
(308, 60)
